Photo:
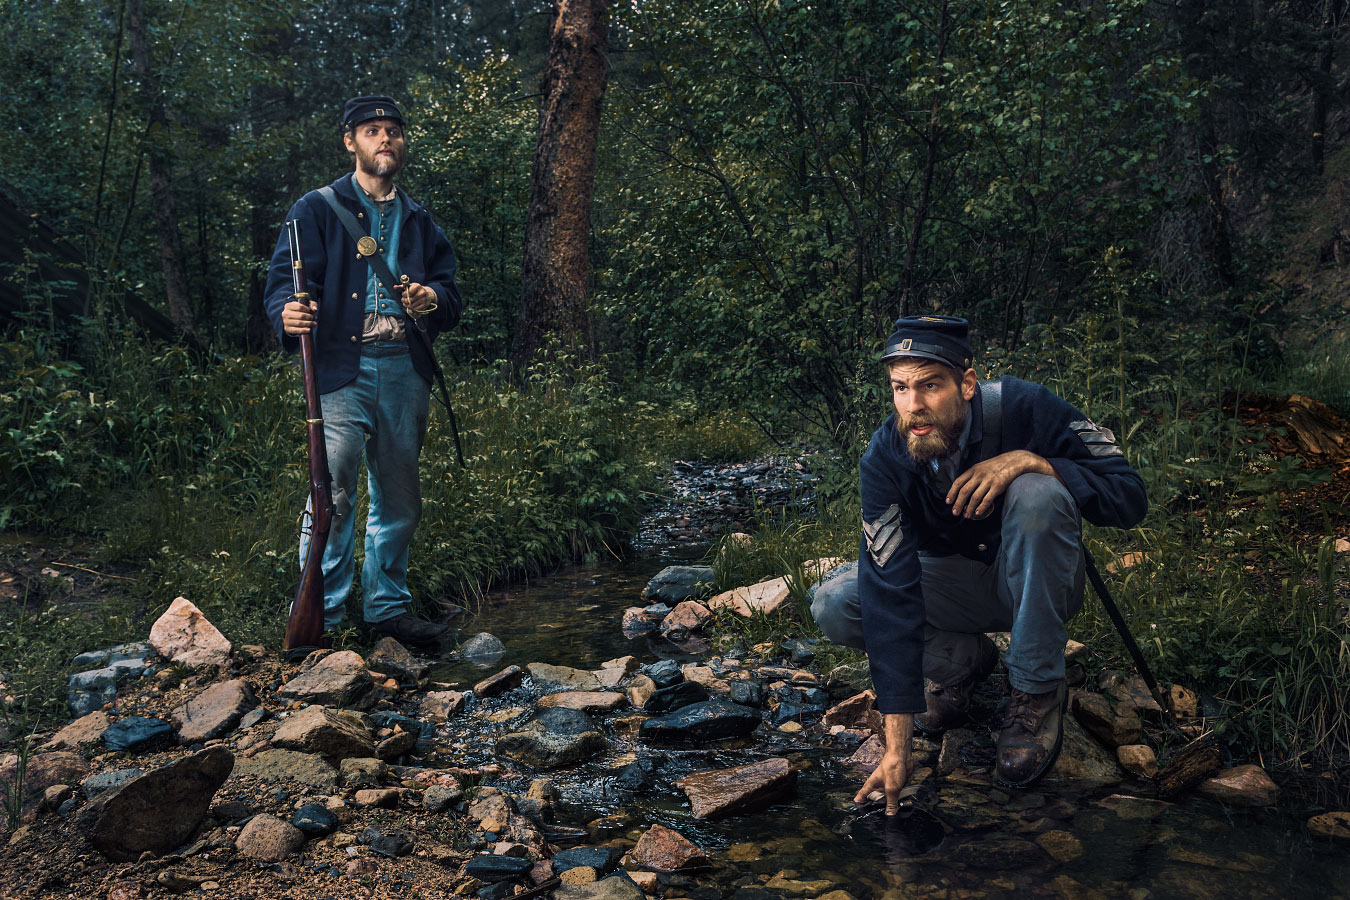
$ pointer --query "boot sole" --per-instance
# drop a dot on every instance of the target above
(1049, 760)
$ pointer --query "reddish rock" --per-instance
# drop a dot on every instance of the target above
(506, 680)
(84, 730)
(868, 756)
(397, 744)
(705, 676)
(441, 705)
(541, 871)
(269, 839)
(1241, 786)
(766, 597)
(716, 793)
(640, 690)
(687, 616)
(586, 701)
(491, 809)
(1112, 729)
(637, 622)
(213, 712)
(332, 734)
(125, 890)
(184, 635)
(332, 678)
(625, 664)
(662, 849)
(1138, 760)
(44, 770)
(852, 712)
(378, 798)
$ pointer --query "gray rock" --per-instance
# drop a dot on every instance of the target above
(674, 584)
(337, 679)
(94, 659)
(104, 781)
(712, 720)
(392, 658)
(315, 820)
(89, 690)
(1081, 759)
(438, 798)
(214, 712)
(616, 887)
(564, 676)
(482, 649)
(664, 673)
(602, 859)
(387, 841)
(137, 733)
(305, 768)
(491, 867)
(82, 703)
(160, 810)
(252, 718)
(269, 839)
(558, 737)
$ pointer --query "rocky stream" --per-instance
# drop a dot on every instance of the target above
(587, 740)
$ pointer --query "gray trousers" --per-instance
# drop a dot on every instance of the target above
(1033, 588)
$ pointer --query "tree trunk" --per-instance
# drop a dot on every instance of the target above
(171, 258)
(556, 268)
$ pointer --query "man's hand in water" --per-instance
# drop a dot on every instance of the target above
(897, 764)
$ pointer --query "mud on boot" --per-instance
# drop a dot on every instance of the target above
(1032, 733)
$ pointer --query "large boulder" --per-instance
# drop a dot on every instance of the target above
(332, 679)
(160, 810)
(183, 634)
(214, 712)
(767, 597)
(332, 734)
(557, 737)
(674, 584)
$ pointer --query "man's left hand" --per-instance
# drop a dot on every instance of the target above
(418, 297)
(974, 491)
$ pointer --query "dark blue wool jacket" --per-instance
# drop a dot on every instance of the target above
(1108, 492)
(338, 277)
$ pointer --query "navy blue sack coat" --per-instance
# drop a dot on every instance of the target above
(338, 278)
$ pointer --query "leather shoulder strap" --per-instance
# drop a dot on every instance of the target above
(375, 260)
(991, 399)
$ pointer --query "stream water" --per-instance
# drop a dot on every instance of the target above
(961, 838)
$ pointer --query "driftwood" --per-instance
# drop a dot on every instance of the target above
(1316, 427)
(1191, 765)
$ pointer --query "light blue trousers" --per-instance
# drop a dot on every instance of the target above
(383, 416)
(1033, 588)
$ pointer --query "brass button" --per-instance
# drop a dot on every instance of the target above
(360, 215)
(354, 296)
(353, 339)
(984, 547)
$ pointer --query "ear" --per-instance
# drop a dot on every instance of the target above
(348, 141)
(969, 382)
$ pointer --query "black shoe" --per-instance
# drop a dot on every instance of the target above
(409, 630)
(1031, 737)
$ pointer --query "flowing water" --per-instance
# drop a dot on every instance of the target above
(961, 837)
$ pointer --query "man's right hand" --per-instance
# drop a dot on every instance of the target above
(298, 317)
(897, 764)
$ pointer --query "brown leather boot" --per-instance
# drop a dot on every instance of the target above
(1032, 732)
(947, 703)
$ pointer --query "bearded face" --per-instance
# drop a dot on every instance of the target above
(931, 402)
(935, 434)
(379, 147)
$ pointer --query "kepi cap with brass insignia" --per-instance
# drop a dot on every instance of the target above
(363, 109)
(944, 339)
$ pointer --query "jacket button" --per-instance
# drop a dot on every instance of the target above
(982, 547)
(360, 215)
(353, 339)
(353, 296)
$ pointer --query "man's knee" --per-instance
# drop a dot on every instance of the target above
(834, 606)
(1040, 503)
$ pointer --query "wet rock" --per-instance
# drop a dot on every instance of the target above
(787, 882)
(400, 743)
(767, 597)
(1138, 759)
(392, 658)
(438, 706)
(387, 842)
(137, 733)
(438, 798)
(949, 756)
(640, 690)
(616, 887)
(746, 693)
(705, 676)
(305, 768)
(563, 676)
(183, 634)
(557, 737)
(1062, 846)
(483, 648)
(663, 849)
(337, 679)
(675, 696)
(1241, 786)
(1081, 759)
(213, 712)
(1095, 714)
(664, 673)
(636, 622)
(964, 809)
(711, 720)
(602, 859)
(674, 584)
(635, 777)
(269, 839)
(868, 756)
(685, 617)
(84, 730)
(159, 810)
(106, 781)
(491, 868)
(586, 701)
(315, 820)
(797, 704)
(1127, 807)
(507, 679)
(624, 664)
(852, 712)
(1332, 825)
(332, 734)
(717, 793)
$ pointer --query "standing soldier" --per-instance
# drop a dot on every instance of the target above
(379, 270)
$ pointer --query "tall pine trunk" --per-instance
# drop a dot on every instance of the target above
(556, 269)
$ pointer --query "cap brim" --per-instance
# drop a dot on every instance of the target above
(917, 354)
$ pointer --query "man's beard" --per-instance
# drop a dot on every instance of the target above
(380, 166)
(945, 437)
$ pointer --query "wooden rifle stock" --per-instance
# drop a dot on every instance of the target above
(304, 629)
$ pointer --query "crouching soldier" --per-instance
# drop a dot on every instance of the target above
(972, 501)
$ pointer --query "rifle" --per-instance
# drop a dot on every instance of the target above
(304, 629)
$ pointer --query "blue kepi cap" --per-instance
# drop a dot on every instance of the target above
(944, 339)
(363, 109)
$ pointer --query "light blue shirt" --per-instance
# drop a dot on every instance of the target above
(386, 222)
